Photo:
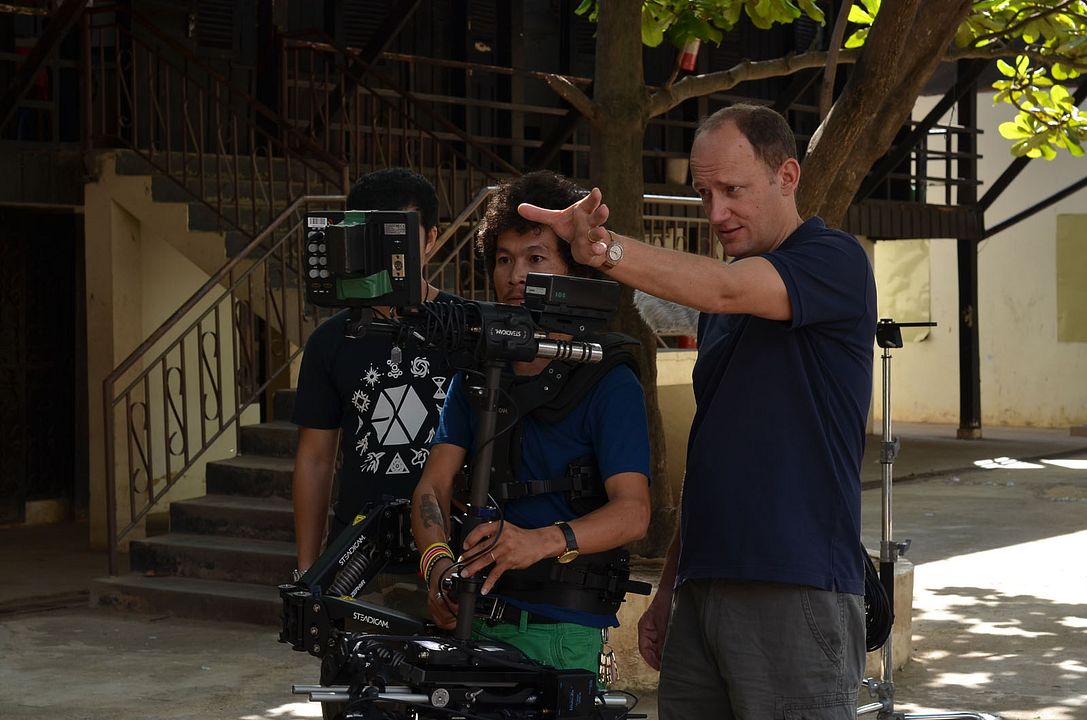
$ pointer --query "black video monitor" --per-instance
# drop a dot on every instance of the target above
(362, 258)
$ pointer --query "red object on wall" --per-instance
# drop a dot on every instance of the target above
(687, 342)
(690, 55)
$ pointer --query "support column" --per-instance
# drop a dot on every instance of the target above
(969, 345)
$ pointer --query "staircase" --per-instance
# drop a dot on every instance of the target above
(225, 552)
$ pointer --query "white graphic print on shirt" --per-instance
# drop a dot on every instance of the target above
(392, 412)
(397, 466)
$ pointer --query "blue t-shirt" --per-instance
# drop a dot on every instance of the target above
(609, 424)
(772, 491)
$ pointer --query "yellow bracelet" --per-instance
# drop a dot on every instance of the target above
(434, 549)
(434, 561)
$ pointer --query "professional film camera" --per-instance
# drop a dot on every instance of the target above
(378, 662)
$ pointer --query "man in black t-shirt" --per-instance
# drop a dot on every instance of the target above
(375, 401)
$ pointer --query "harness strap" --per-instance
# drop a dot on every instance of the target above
(579, 481)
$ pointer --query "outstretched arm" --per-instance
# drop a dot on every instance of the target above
(751, 285)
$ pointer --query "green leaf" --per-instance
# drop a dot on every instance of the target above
(1011, 130)
(584, 7)
(1005, 68)
(1060, 95)
(813, 11)
(859, 16)
(857, 39)
(652, 28)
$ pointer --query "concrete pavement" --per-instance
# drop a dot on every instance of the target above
(1000, 602)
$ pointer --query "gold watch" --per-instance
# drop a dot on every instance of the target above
(571, 543)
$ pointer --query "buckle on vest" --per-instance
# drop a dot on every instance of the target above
(494, 615)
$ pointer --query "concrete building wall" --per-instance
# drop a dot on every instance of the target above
(1031, 313)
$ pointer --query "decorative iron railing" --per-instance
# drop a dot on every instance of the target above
(168, 402)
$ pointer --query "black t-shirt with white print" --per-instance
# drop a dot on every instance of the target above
(385, 402)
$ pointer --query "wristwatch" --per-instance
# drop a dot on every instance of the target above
(571, 543)
(614, 253)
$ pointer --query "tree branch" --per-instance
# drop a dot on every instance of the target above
(826, 95)
(698, 85)
(992, 52)
(572, 94)
(1020, 20)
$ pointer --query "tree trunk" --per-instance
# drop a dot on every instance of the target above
(618, 131)
(903, 50)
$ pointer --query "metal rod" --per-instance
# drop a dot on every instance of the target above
(1036, 207)
(481, 472)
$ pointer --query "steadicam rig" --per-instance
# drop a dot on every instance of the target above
(378, 662)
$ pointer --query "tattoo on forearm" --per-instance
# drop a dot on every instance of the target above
(431, 514)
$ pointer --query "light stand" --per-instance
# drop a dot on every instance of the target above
(889, 335)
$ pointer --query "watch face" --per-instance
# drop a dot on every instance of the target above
(615, 252)
(568, 556)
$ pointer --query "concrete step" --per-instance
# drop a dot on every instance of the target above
(190, 597)
(234, 516)
(252, 475)
(278, 438)
(208, 557)
(283, 403)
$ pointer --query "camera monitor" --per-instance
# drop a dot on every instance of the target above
(362, 258)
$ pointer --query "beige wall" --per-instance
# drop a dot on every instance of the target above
(676, 398)
(140, 269)
(1032, 372)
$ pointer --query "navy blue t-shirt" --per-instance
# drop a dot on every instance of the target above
(772, 491)
(385, 407)
(609, 424)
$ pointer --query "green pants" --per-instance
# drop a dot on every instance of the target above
(565, 646)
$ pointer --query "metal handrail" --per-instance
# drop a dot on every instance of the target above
(269, 259)
(463, 217)
(380, 126)
(145, 91)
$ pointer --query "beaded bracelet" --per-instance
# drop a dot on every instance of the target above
(430, 556)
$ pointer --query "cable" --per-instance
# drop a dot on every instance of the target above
(474, 556)
(629, 695)
(878, 613)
